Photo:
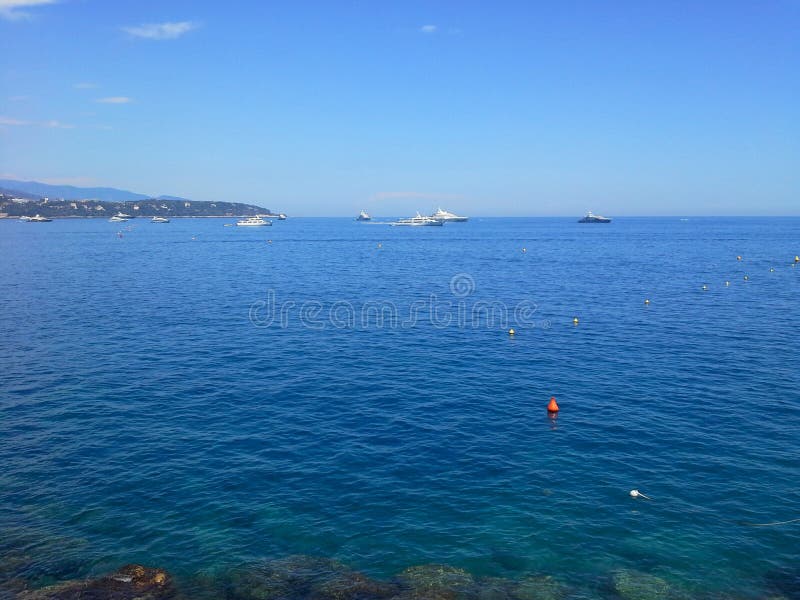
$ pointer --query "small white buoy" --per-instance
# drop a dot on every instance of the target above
(638, 494)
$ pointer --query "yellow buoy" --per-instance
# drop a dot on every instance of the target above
(797, 259)
(511, 332)
(647, 301)
(575, 321)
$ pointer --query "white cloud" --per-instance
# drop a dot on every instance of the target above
(10, 9)
(161, 31)
(115, 100)
(428, 29)
(13, 122)
(85, 85)
(51, 124)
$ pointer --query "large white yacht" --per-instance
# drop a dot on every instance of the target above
(363, 216)
(443, 215)
(419, 221)
(38, 219)
(592, 218)
(253, 222)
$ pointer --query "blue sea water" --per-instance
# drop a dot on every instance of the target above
(193, 396)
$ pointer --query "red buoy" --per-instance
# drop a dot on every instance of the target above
(553, 406)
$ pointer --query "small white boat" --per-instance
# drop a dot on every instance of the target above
(253, 222)
(419, 221)
(39, 219)
(363, 216)
(443, 215)
(117, 219)
(24, 218)
(159, 220)
(122, 215)
(592, 218)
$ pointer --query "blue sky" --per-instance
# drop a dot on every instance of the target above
(324, 108)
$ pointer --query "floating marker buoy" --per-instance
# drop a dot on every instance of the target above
(738, 258)
(575, 321)
(524, 250)
(552, 406)
(727, 283)
(705, 288)
(269, 241)
(647, 301)
(511, 332)
(638, 494)
(746, 278)
(380, 245)
(771, 270)
(797, 259)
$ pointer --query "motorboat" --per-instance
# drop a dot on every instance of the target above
(159, 220)
(122, 215)
(419, 221)
(24, 218)
(117, 219)
(443, 215)
(253, 222)
(38, 219)
(363, 216)
(592, 218)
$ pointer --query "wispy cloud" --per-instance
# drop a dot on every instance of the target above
(53, 124)
(115, 100)
(414, 196)
(13, 122)
(428, 29)
(10, 9)
(161, 31)
(50, 124)
(85, 85)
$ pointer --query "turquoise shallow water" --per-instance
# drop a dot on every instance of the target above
(193, 397)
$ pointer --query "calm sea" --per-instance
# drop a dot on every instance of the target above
(194, 397)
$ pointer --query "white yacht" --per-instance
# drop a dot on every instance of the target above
(24, 218)
(592, 218)
(419, 221)
(117, 219)
(253, 222)
(39, 219)
(159, 220)
(363, 216)
(443, 215)
(122, 215)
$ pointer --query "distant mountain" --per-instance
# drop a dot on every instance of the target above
(13, 206)
(70, 192)
(176, 198)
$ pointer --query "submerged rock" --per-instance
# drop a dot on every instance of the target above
(436, 582)
(298, 577)
(131, 582)
(539, 587)
(635, 585)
